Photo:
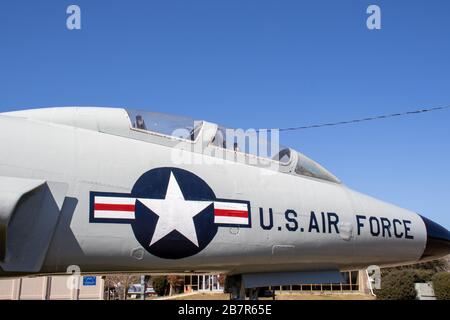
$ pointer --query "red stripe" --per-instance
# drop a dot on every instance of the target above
(113, 207)
(230, 213)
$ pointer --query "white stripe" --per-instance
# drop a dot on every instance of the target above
(231, 206)
(114, 200)
(114, 214)
(230, 220)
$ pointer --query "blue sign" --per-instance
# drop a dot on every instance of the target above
(89, 281)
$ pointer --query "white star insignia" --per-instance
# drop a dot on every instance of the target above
(175, 213)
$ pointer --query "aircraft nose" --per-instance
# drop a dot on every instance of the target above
(438, 241)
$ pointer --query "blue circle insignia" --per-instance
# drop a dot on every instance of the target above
(175, 245)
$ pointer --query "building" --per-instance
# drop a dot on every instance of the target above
(93, 287)
(354, 282)
(52, 288)
(202, 282)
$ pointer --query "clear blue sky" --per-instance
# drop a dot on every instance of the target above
(253, 64)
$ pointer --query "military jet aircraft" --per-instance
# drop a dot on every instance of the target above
(115, 190)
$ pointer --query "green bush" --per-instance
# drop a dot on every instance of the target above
(441, 284)
(159, 285)
(423, 275)
(397, 285)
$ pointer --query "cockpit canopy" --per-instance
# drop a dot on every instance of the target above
(307, 167)
(165, 124)
(261, 144)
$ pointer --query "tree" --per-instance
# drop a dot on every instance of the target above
(174, 282)
(222, 278)
(398, 283)
(434, 266)
(159, 285)
(441, 285)
(122, 283)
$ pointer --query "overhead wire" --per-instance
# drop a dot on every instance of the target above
(379, 117)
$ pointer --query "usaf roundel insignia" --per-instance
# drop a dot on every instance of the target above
(173, 213)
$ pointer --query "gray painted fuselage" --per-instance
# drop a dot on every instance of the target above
(87, 155)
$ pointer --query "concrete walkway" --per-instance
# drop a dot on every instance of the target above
(175, 296)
